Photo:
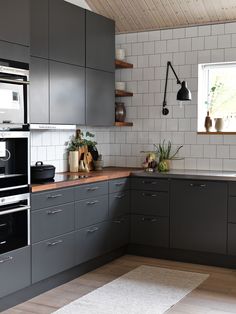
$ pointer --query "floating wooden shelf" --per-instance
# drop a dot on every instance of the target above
(123, 123)
(123, 93)
(123, 65)
(216, 133)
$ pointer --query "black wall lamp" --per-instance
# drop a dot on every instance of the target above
(183, 94)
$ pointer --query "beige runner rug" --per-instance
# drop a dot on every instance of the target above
(144, 290)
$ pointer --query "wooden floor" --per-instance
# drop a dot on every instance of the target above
(216, 295)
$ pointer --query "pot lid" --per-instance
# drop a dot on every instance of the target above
(40, 166)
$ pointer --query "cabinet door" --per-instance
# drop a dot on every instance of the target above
(232, 239)
(39, 91)
(15, 21)
(100, 42)
(119, 204)
(39, 28)
(120, 232)
(67, 93)
(199, 216)
(66, 32)
(100, 98)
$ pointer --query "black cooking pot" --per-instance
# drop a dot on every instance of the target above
(41, 172)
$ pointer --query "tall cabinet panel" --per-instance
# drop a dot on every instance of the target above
(67, 93)
(100, 42)
(39, 90)
(66, 32)
(39, 28)
(15, 21)
(100, 98)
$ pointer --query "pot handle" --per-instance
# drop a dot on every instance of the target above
(39, 163)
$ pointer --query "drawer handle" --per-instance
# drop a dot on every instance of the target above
(149, 219)
(149, 195)
(55, 243)
(92, 230)
(118, 221)
(8, 259)
(195, 185)
(149, 182)
(92, 189)
(3, 225)
(92, 203)
(3, 242)
(120, 196)
(53, 212)
(120, 183)
(54, 196)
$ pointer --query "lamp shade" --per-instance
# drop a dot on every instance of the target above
(184, 93)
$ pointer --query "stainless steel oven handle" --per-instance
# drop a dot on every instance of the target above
(9, 258)
(4, 80)
(14, 210)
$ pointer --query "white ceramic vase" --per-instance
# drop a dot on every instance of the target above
(74, 161)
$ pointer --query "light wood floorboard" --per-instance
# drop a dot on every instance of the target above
(217, 295)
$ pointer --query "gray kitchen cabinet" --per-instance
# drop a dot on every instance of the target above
(39, 13)
(149, 230)
(66, 32)
(91, 211)
(120, 232)
(15, 271)
(100, 42)
(39, 90)
(119, 204)
(67, 93)
(53, 221)
(150, 184)
(199, 216)
(119, 185)
(92, 242)
(100, 98)
(85, 191)
(15, 21)
(14, 52)
(51, 198)
(232, 209)
(232, 239)
(53, 256)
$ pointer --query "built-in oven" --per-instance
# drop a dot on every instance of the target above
(14, 221)
(13, 96)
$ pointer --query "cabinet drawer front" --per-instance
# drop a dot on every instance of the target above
(150, 230)
(232, 209)
(91, 190)
(119, 185)
(92, 242)
(232, 239)
(91, 211)
(150, 184)
(232, 188)
(119, 204)
(52, 222)
(150, 203)
(120, 228)
(52, 198)
(14, 271)
(52, 256)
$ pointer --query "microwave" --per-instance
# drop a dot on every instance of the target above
(14, 84)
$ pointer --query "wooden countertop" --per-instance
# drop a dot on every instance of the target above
(68, 179)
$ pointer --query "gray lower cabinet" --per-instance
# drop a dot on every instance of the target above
(100, 98)
(53, 221)
(150, 184)
(120, 231)
(232, 239)
(199, 216)
(39, 90)
(91, 211)
(92, 190)
(14, 52)
(119, 185)
(232, 209)
(149, 230)
(67, 93)
(15, 271)
(92, 242)
(119, 204)
(53, 256)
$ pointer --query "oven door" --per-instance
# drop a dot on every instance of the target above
(14, 225)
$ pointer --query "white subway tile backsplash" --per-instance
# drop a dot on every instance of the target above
(166, 34)
(224, 41)
(154, 35)
(178, 33)
(148, 48)
(230, 28)
(218, 29)
(185, 44)
(131, 38)
(192, 31)
(211, 42)
(172, 45)
(204, 30)
(143, 36)
(198, 43)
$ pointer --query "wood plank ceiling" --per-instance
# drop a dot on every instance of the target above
(141, 15)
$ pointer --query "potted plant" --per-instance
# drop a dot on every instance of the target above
(165, 155)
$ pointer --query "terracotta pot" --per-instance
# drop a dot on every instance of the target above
(74, 161)
(120, 112)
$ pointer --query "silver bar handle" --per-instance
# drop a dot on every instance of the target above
(120, 183)
(120, 196)
(4, 80)
(92, 189)
(118, 221)
(53, 212)
(92, 203)
(149, 194)
(198, 185)
(54, 196)
(14, 210)
(3, 225)
(149, 219)
(92, 230)
(8, 259)
(3, 242)
(55, 243)
(149, 182)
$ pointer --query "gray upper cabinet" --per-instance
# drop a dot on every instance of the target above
(66, 32)
(67, 93)
(15, 21)
(100, 98)
(39, 28)
(39, 90)
(100, 42)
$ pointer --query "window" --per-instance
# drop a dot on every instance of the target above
(217, 94)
